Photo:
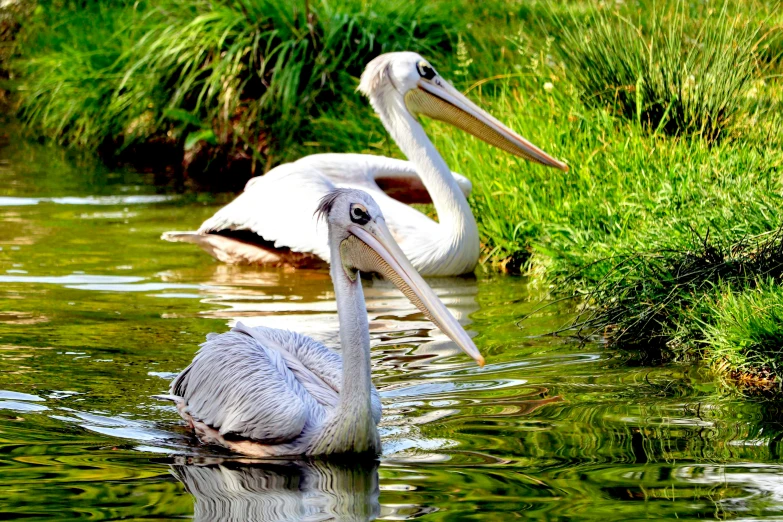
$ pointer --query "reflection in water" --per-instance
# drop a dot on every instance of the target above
(303, 301)
(89, 200)
(281, 490)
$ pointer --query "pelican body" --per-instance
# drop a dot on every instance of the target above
(272, 222)
(266, 392)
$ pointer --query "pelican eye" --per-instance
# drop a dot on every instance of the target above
(425, 70)
(359, 214)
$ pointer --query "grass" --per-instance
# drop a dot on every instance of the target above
(664, 302)
(230, 83)
(744, 332)
(669, 76)
(625, 188)
(235, 80)
(669, 115)
(648, 223)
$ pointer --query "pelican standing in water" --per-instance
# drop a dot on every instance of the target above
(272, 222)
(266, 392)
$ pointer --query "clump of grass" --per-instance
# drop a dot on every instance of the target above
(626, 190)
(742, 331)
(667, 75)
(652, 301)
(68, 75)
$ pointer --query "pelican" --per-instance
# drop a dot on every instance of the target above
(266, 392)
(271, 222)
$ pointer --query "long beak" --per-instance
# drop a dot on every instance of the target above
(372, 249)
(445, 103)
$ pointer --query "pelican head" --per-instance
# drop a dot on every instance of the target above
(356, 224)
(410, 78)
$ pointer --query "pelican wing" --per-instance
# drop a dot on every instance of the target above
(244, 387)
(262, 384)
(272, 221)
(325, 365)
(394, 177)
(279, 208)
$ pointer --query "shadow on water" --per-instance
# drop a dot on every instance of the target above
(97, 315)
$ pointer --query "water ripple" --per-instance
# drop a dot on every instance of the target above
(88, 200)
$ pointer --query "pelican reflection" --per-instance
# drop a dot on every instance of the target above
(303, 301)
(233, 490)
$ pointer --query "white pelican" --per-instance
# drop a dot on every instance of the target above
(266, 392)
(272, 221)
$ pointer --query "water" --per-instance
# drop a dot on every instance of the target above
(97, 315)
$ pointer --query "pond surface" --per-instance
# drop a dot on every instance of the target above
(97, 315)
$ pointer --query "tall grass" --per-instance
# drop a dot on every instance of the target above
(244, 77)
(626, 190)
(744, 331)
(654, 301)
(65, 91)
(671, 75)
(645, 225)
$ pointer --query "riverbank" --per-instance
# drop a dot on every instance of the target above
(666, 230)
(670, 121)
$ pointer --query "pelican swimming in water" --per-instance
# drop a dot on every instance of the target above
(272, 222)
(266, 392)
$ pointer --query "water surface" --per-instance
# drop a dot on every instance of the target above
(97, 315)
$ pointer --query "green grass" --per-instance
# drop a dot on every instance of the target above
(664, 73)
(744, 330)
(244, 77)
(624, 230)
(66, 91)
(235, 79)
(647, 223)
(658, 302)
(626, 189)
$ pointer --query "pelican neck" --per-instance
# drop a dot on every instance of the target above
(452, 207)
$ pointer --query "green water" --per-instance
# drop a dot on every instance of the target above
(97, 315)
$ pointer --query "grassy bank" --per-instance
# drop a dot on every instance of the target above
(226, 87)
(668, 113)
(667, 218)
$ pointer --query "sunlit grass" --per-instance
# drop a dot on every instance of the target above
(644, 226)
(668, 72)
(249, 75)
(744, 330)
(625, 190)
